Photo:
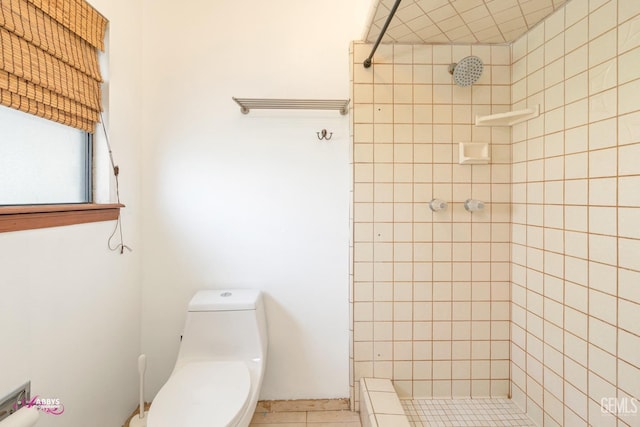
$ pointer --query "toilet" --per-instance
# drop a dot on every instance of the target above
(218, 374)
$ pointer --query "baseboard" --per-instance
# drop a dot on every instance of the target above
(302, 405)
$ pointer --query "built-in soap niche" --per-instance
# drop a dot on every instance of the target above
(473, 153)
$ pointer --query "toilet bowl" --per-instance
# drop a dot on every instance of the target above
(218, 374)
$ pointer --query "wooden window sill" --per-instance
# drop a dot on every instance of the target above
(15, 218)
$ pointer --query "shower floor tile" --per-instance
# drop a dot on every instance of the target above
(465, 413)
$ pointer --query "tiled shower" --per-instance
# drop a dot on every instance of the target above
(537, 296)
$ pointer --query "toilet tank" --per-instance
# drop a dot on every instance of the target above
(227, 324)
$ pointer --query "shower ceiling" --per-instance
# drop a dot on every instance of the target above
(459, 21)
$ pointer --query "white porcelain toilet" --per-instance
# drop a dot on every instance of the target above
(220, 365)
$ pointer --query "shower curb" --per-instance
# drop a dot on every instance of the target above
(379, 404)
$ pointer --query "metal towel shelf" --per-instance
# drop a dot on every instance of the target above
(247, 104)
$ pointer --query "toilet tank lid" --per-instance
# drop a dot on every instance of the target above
(225, 300)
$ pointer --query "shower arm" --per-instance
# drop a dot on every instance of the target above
(367, 62)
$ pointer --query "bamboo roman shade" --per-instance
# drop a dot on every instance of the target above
(49, 60)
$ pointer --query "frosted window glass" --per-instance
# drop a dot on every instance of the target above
(41, 162)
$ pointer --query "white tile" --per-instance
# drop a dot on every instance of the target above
(603, 249)
(402, 73)
(382, 74)
(576, 140)
(598, 389)
(603, 163)
(576, 270)
(575, 166)
(554, 264)
(628, 345)
(629, 222)
(535, 37)
(422, 54)
(603, 334)
(535, 60)
(603, 307)
(500, 55)
(629, 159)
(575, 192)
(575, 373)
(554, 24)
(576, 296)
(554, 97)
(577, 113)
(554, 121)
(576, 35)
(385, 420)
(553, 288)
(442, 54)
(554, 49)
(600, 48)
(603, 76)
(575, 400)
(576, 87)
(602, 220)
(572, 419)
(628, 66)
(627, 9)
(628, 194)
(629, 378)
(402, 53)
(629, 128)
(603, 19)
(604, 104)
(575, 218)
(603, 134)
(576, 62)
(627, 103)
(575, 11)
(603, 191)
(422, 74)
(628, 253)
(629, 316)
(553, 192)
(602, 277)
(629, 34)
(576, 348)
(576, 244)
(601, 362)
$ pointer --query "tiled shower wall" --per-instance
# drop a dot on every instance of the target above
(576, 217)
(430, 291)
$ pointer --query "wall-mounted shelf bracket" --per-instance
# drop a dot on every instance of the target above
(248, 104)
(509, 118)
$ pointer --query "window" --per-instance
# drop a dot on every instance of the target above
(43, 162)
(49, 68)
(46, 174)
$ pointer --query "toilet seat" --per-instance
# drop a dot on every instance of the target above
(202, 394)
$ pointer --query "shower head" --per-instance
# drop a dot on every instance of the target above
(467, 71)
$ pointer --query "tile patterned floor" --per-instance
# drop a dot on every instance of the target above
(421, 413)
(306, 419)
(465, 413)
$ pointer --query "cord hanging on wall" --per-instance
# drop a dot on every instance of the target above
(116, 172)
(323, 134)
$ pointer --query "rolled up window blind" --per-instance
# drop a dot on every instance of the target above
(49, 60)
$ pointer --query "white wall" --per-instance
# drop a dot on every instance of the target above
(70, 308)
(249, 201)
